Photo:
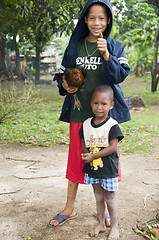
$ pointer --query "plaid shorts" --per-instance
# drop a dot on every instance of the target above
(109, 184)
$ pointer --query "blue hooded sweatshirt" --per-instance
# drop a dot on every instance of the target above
(113, 71)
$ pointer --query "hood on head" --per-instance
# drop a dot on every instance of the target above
(81, 29)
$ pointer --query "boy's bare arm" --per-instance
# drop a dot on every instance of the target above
(84, 146)
(87, 157)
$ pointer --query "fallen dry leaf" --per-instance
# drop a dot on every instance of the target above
(155, 232)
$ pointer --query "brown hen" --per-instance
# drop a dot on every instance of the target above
(75, 77)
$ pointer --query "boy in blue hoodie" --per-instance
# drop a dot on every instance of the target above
(105, 62)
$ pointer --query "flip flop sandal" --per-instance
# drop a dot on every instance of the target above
(107, 218)
(61, 219)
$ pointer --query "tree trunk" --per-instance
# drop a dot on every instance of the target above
(4, 74)
(37, 64)
(136, 71)
(2, 56)
(154, 82)
(17, 59)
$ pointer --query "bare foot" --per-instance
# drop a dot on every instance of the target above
(97, 230)
(55, 222)
(107, 218)
(114, 234)
(108, 222)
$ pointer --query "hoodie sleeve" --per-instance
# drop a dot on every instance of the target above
(69, 61)
(117, 68)
(62, 91)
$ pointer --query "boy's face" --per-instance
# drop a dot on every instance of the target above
(101, 103)
(96, 20)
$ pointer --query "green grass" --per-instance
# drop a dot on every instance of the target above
(140, 87)
(35, 119)
(35, 122)
(140, 133)
(36, 126)
(143, 129)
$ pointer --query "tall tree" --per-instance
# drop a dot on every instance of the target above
(36, 21)
(11, 23)
(137, 22)
(46, 18)
(155, 78)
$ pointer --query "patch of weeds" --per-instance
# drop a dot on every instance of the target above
(13, 101)
(38, 127)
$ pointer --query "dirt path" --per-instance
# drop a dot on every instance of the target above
(33, 189)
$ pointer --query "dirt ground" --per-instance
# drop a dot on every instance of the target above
(33, 189)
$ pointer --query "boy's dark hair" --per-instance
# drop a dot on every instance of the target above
(107, 10)
(103, 89)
